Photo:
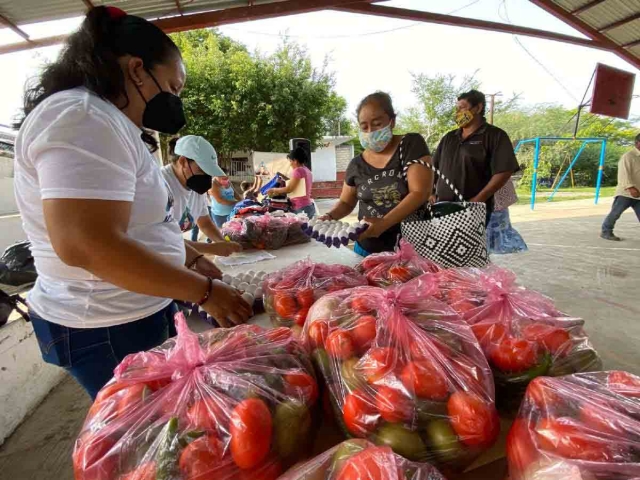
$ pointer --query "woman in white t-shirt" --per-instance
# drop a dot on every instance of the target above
(109, 253)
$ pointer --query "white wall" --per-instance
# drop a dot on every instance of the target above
(7, 198)
(25, 380)
(323, 163)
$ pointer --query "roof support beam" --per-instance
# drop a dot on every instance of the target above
(620, 23)
(89, 4)
(635, 43)
(14, 27)
(585, 29)
(179, 7)
(246, 14)
(587, 6)
(35, 43)
(429, 17)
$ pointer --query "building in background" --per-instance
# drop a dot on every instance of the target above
(7, 197)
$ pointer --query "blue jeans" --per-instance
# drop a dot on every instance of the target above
(620, 204)
(310, 210)
(91, 354)
(219, 220)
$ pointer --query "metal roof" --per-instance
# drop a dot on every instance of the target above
(612, 25)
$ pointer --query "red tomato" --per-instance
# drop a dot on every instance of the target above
(305, 298)
(109, 389)
(565, 437)
(301, 317)
(339, 344)
(92, 460)
(542, 395)
(371, 262)
(624, 383)
(400, 274)
(393, 405)
(554, 339)
(514, 355)
(285, 305)
(280, 334)
(207, 414)
(200, 457)
(521, 451)
(369, 464)
(424, 380)
(363, 333)
(270, 470)
(360, 414)
(301, 385)
(361, 305)
(600, 419)
(156, 385)
(318, 332)
(146, 471)
(129, 397)
(378, 362)
(473, 419)
(251, 427)
(489, 334)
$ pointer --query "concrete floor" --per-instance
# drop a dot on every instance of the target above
(587, 276)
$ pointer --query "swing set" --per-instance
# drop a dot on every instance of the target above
(537, 141)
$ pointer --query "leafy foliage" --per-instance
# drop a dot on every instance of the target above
(242, 101)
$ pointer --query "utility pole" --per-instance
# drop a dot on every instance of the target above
(492, 102)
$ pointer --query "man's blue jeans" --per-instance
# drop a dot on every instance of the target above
(620, 204)
(91, 354)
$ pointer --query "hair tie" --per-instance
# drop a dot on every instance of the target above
(115, 13)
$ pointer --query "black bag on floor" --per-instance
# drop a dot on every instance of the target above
(17, 266)
(9, 303)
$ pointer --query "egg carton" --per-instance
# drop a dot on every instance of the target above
(334, 233)
(249, 283)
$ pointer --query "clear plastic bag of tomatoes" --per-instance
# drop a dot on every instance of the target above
(361, 460)
(584, 426)
(521, 332)
(290, 292)
(394, 268)
(403, 370)
(226, 404)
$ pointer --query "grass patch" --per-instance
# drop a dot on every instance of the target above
(578, 193)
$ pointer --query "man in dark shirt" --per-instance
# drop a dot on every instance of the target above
(477, 158)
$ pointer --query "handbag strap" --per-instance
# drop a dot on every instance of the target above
(437, 172)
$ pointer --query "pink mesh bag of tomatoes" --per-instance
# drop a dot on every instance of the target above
(404, 371)
(226, 404)
(584, 426)
(361, 460)
(394, 268)
(521, 332)
(290, 292)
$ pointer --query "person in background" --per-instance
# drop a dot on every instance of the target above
(223, 199)
(109, 254)
(194, 163)
(627, 192)
(299, 161)
(501, 236)
(374, 179)
(477, 157)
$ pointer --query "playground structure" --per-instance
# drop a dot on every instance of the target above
(537, 141)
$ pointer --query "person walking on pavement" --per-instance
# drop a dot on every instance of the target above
(627, 192)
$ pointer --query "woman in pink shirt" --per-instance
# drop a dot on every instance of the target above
(299, 161)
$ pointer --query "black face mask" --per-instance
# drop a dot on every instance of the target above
(199, 182)
(164, 113)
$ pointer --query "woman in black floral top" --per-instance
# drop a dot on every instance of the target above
(374, 179)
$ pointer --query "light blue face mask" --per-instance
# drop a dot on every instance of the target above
(377, 140)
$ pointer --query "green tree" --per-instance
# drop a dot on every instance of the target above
(242, 101)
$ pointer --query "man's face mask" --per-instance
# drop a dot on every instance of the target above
(377, 140)
(198, 182)
(163, 113)
(464, 118)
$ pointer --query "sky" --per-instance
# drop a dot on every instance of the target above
(374, 53)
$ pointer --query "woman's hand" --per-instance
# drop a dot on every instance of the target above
(377, 226)
(433, 199)
(227, 306)
(325, 217)
(271, 192)
(207, 268)
(223, 249)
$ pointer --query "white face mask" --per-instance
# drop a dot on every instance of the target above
(377, 140)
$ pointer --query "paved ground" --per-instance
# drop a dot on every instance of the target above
(10, 231)
(587, 276)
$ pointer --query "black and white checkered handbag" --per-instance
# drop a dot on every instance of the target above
(454, 240)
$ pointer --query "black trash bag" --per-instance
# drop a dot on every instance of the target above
(17, 266)
(9, 303)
